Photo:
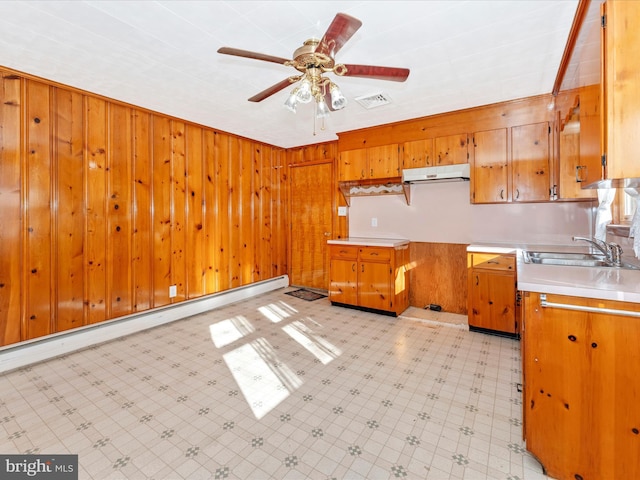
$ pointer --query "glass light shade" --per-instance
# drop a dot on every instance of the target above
(304, 92)
(322, 110)
(338, 101)
(291, 102)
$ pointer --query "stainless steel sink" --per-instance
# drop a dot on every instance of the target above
(573, 259)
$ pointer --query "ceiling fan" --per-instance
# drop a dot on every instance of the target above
(315, 58)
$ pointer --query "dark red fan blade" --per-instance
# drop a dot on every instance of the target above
(247, 54)
(379, 73)
(341, 29)
(271, 90)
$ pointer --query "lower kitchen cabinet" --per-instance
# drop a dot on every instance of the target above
(370, 277)
(492, 293)
(582, 386)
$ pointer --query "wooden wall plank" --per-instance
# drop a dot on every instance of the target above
(38, 287)
(142, 230)
(247, 205)
(119, 221)
(96, 234)
(178, 211)
(195, 260)
(70, 215)
(10, 209)
(221, 237)
(236, 147)
(162, 192)
(209, 194)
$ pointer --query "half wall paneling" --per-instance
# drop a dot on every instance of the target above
(105, 206)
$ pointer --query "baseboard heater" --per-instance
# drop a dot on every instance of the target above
(37, 350)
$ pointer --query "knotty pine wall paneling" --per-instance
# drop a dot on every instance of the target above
(162, 193)
(179, 247)
(104, 206)
(11, 191)
(39, 214)
(195, 258)
(119, 284)
(96, 208)
(142, 231)
(69, 176)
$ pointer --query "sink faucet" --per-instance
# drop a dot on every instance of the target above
(612, 251)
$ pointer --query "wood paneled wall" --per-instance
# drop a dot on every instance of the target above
(104, 206)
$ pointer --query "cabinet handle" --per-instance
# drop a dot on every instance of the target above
(371, 173)
(353, 267)
(582, 308)
(477, 280)
(517, 194)
(362, 267)
(581, 173)
(502, 194)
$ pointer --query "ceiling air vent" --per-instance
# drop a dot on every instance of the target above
(373, 101)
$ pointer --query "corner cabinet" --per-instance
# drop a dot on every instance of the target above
(369, 276)
(581, 386)
(492, 294)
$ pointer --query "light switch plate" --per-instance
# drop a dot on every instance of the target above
(173, 291)
(342, 211)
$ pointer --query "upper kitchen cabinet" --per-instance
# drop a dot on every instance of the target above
(519, 174)
(531, 162)
(621, 88)
(372, 162)
(418, 153)
(451, 149)
(489, 172)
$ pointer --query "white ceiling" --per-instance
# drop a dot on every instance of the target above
(161, 55)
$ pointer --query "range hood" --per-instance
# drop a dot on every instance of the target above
(441, 173)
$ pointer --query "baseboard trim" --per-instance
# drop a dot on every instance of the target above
(33, 351)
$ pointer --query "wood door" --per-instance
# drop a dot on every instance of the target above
(374, 285)
(311, 206)
(418, 153)
(451, 149)
(383, 161)
(344, 281)
(353, 165)
(489, 176)
(531, 162)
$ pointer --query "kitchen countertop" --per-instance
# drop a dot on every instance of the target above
(370, 242)
(604, 283)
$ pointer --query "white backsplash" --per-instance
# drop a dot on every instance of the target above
(442, 213)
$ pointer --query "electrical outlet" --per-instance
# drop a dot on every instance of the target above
(342, 211)
(173, 291)
(374, 222)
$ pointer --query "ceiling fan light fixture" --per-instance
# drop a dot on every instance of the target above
(338, 101)
(292, 101)
(304, 94)
(322, 110)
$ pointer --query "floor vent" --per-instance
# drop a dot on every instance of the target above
(373, 101)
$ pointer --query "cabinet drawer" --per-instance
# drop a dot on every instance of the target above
(375, 253)
(344, 251)
(493, 261)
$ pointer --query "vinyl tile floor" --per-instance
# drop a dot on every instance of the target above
(276, 387)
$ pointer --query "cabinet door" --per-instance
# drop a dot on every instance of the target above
(621, 64)
(374, 285)
(383, 161)
(558, 389)
(418, 154)
(531, 162)
(451, 149)
(353, 165)
(343, 286)
(493, 296)
(489, 167)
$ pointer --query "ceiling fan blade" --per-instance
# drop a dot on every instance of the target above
(271, 90)
(379, 73)
(247, 54)
(341, 29)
